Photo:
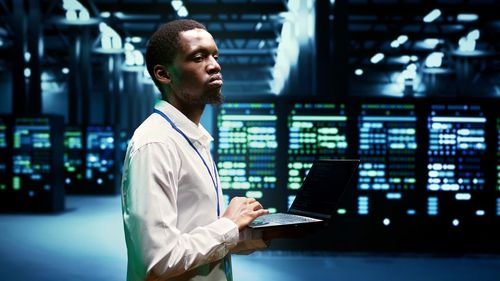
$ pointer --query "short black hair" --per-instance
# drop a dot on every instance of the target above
(164, 43)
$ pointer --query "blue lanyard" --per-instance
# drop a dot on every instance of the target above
(214, 181)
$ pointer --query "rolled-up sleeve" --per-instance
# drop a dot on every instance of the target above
(156, 246)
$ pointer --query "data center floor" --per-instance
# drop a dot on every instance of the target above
(86, 243)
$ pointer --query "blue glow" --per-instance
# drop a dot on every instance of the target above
(402, 39)
(75, 11)
(291, 198)
(468, 43)
(431, 42)
(73, 158)
(177, 4)
(432, 16)
(387, 148)
(317, 130)
(377, 58)
(463, 196)
(498, 159)
(393, 196)
(473, 35)
(467, 17)
(434, 59)
(31, 154)
(389, 119)
(4, 178)
(363, 205)
(247, 147)
(456, 142)
(110, 39)
(182, 12)
(100, 155)
(432, 206)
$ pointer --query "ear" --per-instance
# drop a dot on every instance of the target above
(161, 74)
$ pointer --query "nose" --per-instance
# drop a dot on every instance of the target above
(213, 66)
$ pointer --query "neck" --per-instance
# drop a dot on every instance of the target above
(192, 112)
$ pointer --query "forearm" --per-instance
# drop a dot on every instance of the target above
(201, 246)
(250, 240)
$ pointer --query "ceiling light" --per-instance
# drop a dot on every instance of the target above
(177, 4)
(402, 39)
(377, 58)
(431, 42)
(433, 15)
(395, 44)
(136, 39)
(473, 35)
(467, 17)
(182, 12)
(435, 59)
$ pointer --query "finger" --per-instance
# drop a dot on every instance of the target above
(261, 212)
(251, 199)
(256, 206)
(237, 199)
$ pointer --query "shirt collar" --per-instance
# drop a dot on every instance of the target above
(189, 128)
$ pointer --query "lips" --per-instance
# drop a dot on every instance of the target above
(215, 80)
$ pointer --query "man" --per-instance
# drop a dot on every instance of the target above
(175, 225)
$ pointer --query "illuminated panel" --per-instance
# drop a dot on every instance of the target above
(456, 156)
(73, 158)
(32, 157)
(4, 151)
(247, 148)
(498, 165)
(100, 162)
(316, 130)
(387, 150)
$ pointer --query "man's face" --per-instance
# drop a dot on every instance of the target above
(194, 73)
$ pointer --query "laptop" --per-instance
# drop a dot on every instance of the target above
(318, 196)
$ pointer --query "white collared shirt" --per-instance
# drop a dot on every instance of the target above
(169, 203)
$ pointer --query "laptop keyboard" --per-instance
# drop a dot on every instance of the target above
(280, 218)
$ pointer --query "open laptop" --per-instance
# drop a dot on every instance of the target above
(318, 196)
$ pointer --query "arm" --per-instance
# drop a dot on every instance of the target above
(150, 215)
(250, 240)
(243, 211)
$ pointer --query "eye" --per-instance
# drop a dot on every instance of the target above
(198, 58)
(216, 57)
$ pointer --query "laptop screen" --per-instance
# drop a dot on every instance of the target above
(323, 187)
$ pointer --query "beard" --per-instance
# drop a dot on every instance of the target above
(213, 97)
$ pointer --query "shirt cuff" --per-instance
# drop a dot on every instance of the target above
(229, 231)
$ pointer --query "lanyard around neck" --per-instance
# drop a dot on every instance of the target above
(214, 179)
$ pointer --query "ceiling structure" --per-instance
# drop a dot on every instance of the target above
(247, 32)
(462, 36)
(424, 54)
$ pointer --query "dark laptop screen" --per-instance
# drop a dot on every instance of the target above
(323, 187)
